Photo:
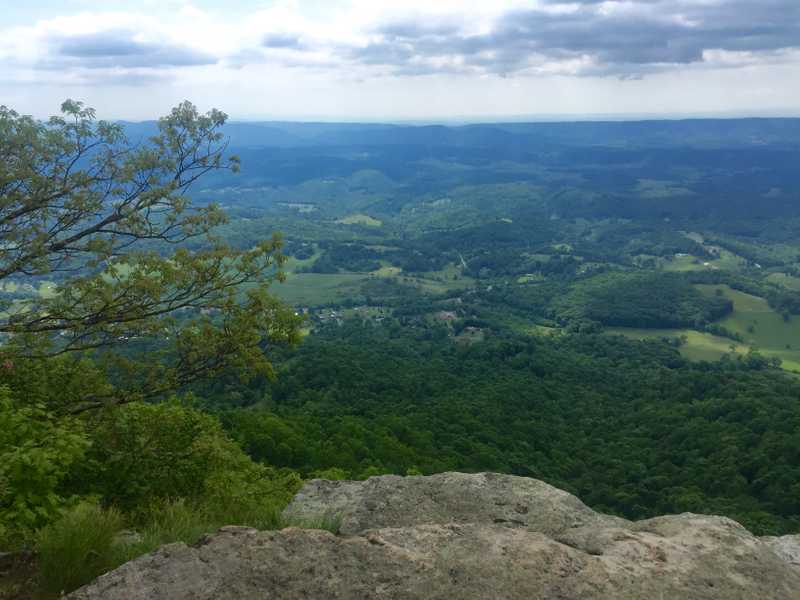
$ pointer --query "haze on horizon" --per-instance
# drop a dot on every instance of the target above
(405, 60)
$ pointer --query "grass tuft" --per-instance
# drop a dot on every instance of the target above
(329, 522)
(86, 541)
(78, 547)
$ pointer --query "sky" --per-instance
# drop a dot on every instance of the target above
(404, 60)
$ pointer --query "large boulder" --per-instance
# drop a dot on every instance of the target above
(463, 536)
(490, 498)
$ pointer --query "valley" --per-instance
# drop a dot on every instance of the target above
(617, 315)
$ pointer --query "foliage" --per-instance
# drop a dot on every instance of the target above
(640, 299)
(143, 454)
(37, 451)
(78, 547)
(89, 540)
(102, 215)
(346, 257)
(631, 427)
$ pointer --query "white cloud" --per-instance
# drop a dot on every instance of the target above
(296, 57)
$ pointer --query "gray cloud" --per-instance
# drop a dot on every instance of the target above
(120, 49)
(283, 41)
(643, 36)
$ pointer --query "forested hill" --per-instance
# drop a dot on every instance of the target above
(632, 428)
(705, 168)
(699, 133)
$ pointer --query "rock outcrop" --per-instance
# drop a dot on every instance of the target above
(463, 536)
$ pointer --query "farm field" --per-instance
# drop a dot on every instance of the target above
(762, 328)
(322, 288)
(318, 288)
(681, 264)
(788, 281)
(698, 346)
(360, 219)
(727, 261)
(46, 289)
(437, 282)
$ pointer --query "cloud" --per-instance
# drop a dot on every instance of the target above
(283, 41)
(121, 49)
(118, 49)
(626, 38)
(363, 40)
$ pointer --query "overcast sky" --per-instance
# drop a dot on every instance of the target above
(403, 59)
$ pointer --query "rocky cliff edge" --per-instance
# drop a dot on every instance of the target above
(466, 536)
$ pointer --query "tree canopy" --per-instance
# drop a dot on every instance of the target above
(103, 217)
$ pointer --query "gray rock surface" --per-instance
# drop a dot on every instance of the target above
(394, 501)
(787, 547)
(463, 536)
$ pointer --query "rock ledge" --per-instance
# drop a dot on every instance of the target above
(456, 535)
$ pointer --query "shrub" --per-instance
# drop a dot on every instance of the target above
(145, 454)
(78, 547)
(37, 451)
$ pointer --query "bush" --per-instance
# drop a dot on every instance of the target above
(145, 454)
(78, 547)
(37, 451)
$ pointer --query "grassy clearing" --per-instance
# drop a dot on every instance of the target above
(321, 288)
(762, 328)
(292, 264)
(388, 271)
(360, 219)
(315, 288)
(681, 264)
(698, 346)
(787, 281)
(697, 237)
(531, 278)
(438, 282)
(728, 261)
(542, 330)
(47, 289)
(318, 288)
(658, 189)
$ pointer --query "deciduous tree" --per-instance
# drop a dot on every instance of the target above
(104, 217)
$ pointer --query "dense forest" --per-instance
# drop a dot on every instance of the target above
(632, 428)
(641, 300)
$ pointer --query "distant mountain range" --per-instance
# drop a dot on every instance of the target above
(700, 133)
